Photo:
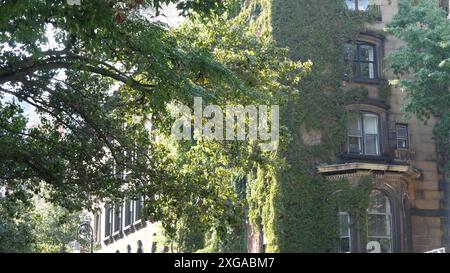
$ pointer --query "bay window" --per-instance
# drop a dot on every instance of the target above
(379, 235)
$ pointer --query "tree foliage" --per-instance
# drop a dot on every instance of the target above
(422, 66)
(98, 84)
(101, 75)
(36, 226)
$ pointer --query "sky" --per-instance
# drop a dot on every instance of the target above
(170, 16)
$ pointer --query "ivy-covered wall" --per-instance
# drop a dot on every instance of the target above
(295, 207)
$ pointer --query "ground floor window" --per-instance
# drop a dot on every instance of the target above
(378, 237)
(379, 223)
(345, 233)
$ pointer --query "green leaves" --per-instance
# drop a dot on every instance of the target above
(426, 30)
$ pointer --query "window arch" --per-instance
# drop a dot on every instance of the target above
(379, 223)
(385, 225)
(364, 58)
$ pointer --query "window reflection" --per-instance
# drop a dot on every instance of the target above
(361, 5)
(351, 4)
(345, 233)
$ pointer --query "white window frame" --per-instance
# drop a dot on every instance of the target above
(119, 208)
(349, 235)
(362, 137)
(398, 138)
(388, 217)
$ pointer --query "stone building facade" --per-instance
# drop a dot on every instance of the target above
(408, 209)
(119, 228)
(406, 172)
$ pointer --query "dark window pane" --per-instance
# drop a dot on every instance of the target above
(128, 212)
(379, 225)
(354, 145)
(366, 53)
(344, 224)
(139, 206)
(108, 221)
(367, 70)
(402, 131)
(371, 144)
(117, 218)
(344, 245)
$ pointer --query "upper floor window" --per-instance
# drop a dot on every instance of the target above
(363, 56)
(363, 134)
(402, 136)
(359, 5)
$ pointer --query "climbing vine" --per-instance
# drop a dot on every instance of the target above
(292, 205)
(291, 53)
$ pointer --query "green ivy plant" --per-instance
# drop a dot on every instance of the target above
(290, 203)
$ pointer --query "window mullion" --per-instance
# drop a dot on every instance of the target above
(363, 135)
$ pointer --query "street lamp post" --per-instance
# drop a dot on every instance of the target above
(85, 228)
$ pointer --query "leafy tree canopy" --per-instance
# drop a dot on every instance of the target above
(102, 74)
(426, 57)
(97, 73)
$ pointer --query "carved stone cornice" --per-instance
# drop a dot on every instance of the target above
(380, 172)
